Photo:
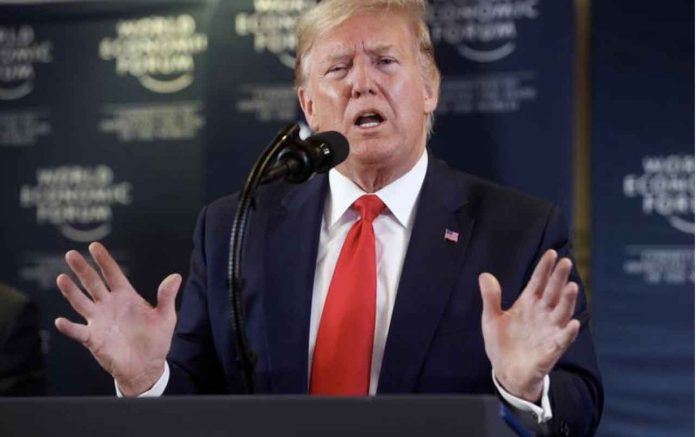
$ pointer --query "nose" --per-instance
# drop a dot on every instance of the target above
(363, 82)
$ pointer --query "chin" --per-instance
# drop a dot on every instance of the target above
(368, 148)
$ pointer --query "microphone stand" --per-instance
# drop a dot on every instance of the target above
(246, 357)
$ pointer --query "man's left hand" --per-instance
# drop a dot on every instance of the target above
(525, 342)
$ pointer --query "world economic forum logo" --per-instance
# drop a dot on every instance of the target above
(19, 52)
(158, 50)
(272, 24)
(666, 188)
(480, 30)
(77, 200)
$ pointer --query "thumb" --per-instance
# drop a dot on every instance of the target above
(490, 294)
(166, 294)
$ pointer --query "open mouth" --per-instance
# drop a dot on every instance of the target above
(369, 119)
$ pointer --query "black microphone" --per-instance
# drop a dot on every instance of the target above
(300, 159)
(297, 160)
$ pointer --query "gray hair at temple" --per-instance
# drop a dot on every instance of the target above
(329, 14)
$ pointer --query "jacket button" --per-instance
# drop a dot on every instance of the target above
(565, 429)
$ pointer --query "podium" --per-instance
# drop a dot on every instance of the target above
(241, 416)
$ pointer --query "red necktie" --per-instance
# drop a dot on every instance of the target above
(343, 350)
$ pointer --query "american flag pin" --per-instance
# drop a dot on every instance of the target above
(451, 236)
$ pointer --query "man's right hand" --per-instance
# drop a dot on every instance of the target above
(128, 337)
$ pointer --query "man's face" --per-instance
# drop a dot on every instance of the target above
(364, 79)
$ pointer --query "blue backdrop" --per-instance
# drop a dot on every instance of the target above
(643, 214)
(101, 138)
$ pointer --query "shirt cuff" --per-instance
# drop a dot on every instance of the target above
(157, 390)
(542, 413)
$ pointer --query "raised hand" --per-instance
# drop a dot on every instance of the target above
(127, 336)
(525, 342)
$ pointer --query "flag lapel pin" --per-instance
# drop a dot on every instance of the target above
(451, 236)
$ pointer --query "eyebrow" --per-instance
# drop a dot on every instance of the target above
(342, 53)
(379, 49)
(337, 55)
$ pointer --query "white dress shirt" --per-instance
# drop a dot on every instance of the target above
(392, 234)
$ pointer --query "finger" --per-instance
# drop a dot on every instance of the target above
(541, 274)
(75, 297)
(166, 294)
(490, 294)
(88, 277)
(558, 280)
(109, 267)
(566, 305)
(73, 330)
(568, 334)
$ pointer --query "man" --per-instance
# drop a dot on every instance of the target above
(21, 359)
(365, 281)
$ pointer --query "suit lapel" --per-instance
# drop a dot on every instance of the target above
(430, 270)
(291, 241)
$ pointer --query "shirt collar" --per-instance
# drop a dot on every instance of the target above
(399, 196)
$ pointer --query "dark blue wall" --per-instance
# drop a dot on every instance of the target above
(643, 214)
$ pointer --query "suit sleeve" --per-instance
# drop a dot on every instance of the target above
(576, 393)
(194, 366)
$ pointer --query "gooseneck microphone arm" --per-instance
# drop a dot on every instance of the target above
(246, 358)
(296, 160)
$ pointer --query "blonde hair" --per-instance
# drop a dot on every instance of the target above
(329, 14)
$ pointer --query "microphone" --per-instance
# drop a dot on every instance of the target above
(300, 159)
(297, 160)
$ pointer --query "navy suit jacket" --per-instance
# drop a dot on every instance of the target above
(434, 343)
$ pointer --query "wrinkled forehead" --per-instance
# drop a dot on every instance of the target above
(343, 50)
(363, 33)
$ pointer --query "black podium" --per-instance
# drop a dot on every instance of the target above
(241, 416)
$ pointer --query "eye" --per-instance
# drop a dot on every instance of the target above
(386, 61)
(336, 68)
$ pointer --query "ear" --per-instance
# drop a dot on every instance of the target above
(307, 105)
(431, 94)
